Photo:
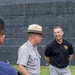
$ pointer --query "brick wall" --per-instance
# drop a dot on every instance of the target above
(18, 16)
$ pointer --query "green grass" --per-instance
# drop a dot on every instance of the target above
(45, 70)
(72, 68)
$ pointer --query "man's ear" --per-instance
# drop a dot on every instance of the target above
(2, 37)
(62, 33)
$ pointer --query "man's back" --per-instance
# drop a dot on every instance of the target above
(6, 69)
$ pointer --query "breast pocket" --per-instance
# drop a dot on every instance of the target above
(34, 60)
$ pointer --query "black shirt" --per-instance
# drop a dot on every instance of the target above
(58, 53)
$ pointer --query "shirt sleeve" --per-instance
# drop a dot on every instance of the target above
(23, 56)
(47, 51)
(70, 49)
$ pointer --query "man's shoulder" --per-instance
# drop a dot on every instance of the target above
(23, 47)
(51, 43)
(67, 42)
(7, 69)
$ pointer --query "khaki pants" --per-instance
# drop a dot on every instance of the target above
(57, 71)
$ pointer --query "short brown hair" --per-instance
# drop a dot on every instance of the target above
(1, 26)
(57, 27)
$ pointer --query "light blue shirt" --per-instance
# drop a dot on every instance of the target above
(30, 58)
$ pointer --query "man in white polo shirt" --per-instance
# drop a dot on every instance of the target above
(28, 56)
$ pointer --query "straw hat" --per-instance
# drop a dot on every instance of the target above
(35, 28)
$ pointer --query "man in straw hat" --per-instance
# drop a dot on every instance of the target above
(28, 56)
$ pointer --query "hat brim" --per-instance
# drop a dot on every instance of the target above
(34, 31)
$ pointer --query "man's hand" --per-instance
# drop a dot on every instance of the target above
(47, 59)
(22, 70)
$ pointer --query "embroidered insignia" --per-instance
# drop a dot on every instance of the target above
(66, 47)
(33, 54)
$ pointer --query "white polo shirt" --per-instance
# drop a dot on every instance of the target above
(29, 57)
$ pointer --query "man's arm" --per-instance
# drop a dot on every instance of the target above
(70, 57)
(47, 59)
(22, 70)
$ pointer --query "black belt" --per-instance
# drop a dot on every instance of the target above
(61, 67)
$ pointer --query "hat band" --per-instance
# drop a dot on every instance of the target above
(34, 31)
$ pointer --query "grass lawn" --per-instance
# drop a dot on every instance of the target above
(45, 70)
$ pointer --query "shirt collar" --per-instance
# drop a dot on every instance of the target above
(31, 45)
(57, 42)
